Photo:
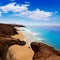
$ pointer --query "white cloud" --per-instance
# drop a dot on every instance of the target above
(36, 14)
(23, 11)
(14, 7)
(39, 15)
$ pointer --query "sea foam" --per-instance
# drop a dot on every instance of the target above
(29, 36)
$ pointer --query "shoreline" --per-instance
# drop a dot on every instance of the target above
(27, 36)
(31, 50)
(21, 52)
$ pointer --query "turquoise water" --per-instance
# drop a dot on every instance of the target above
(49, 35)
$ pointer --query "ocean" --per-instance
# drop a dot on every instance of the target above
(48, 34)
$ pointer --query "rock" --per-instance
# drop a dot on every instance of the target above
(5, 43)
(22, 43)
(35, 46)
(7, 30)
(44, 52)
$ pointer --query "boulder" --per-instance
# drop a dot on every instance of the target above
(35, 46)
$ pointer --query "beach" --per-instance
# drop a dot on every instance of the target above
(24, 44)
(20, 52)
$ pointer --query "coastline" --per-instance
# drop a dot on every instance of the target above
(21, 52)
(29, 37)
(23, 45)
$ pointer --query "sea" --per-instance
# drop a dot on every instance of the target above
(48, 34)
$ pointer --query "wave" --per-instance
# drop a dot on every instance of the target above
(31, 33)
(27, 30)
(30, 36)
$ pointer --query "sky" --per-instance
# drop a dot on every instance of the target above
(30, 12)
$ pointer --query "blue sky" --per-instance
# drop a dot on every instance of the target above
(30, 12)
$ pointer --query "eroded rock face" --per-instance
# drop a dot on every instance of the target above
(44, 52)
(35, 46)
(5, 43)
(7, 30)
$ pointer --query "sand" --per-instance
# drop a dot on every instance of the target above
(19, 36)
(17, 52)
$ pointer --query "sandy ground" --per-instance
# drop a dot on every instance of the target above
(17, 52)
(19, 36)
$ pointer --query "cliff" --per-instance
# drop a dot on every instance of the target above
(14, 25)
(8, 29)
(44, 52)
